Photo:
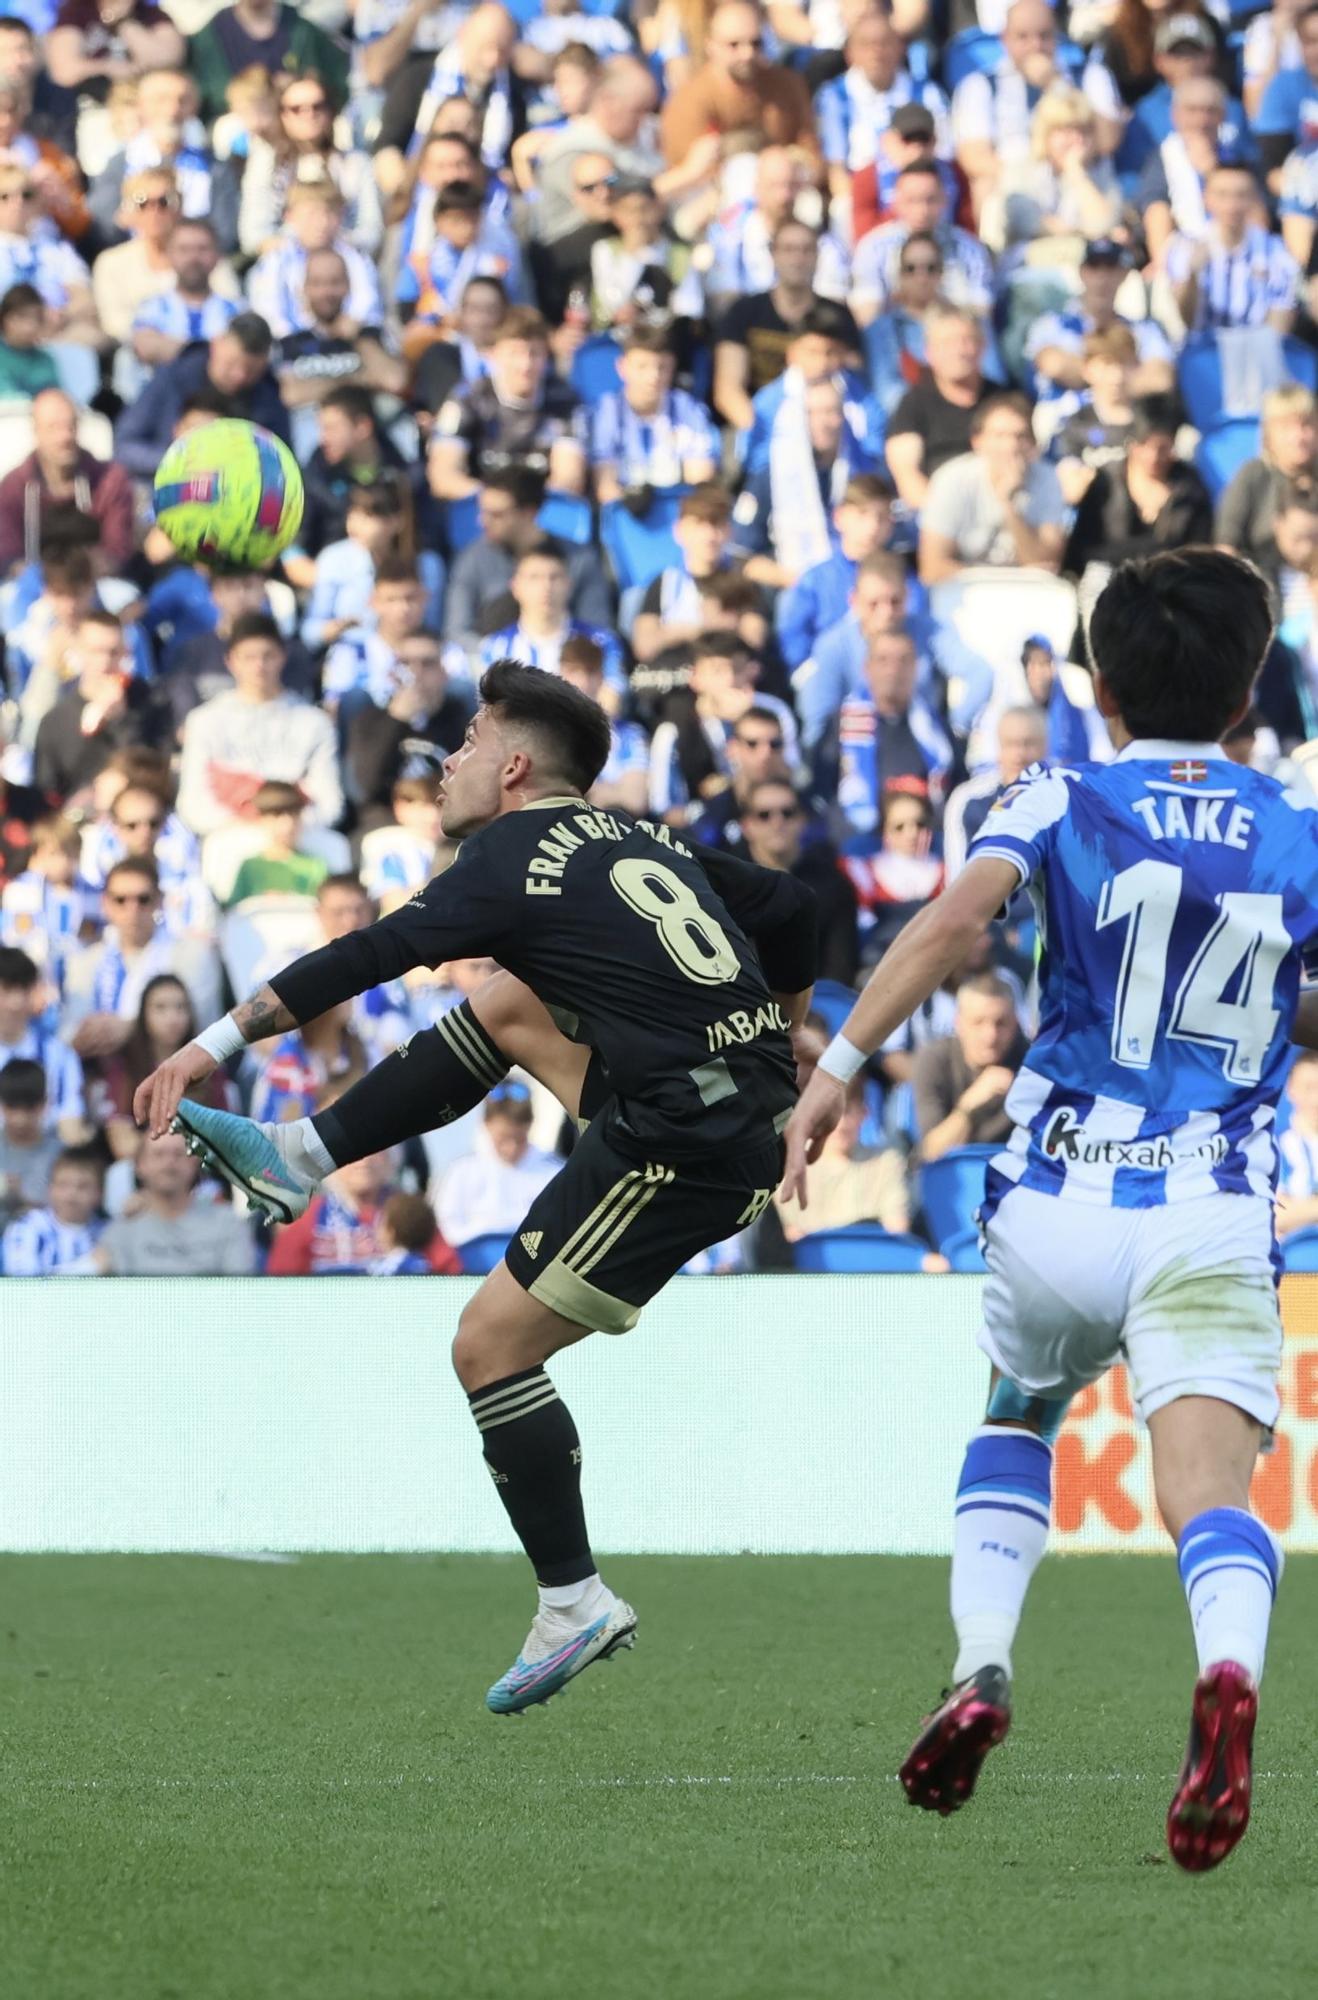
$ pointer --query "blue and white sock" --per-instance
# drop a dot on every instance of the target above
(1003, 1503)
(1230, 1566)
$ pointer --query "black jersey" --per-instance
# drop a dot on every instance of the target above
(640, 945)
(498, 435)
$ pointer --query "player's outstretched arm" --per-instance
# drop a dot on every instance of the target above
(932, 945)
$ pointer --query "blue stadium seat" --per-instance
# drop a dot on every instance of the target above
(1199, 376)
(480, 1254)
(594, 369)
(863, 1247)
(1300, 1252)
(640, 550)
(963, 1252)
(462, 523)
(970, 53)
(951, 1189)
(1301, 362)
(567, 516)
(833, 1001)
(1221, 452)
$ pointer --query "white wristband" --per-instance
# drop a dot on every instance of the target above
(842, 1059)
(224, 1038)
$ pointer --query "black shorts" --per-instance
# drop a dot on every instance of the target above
(612, 1228)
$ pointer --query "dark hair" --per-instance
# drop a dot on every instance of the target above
(382, 499)
(720, 646)
(1179, 639)
(1153, 416)
(792, 222)
(68, 567)
(486, 278)
(16, 968)
(573, 728)
(454, 138)
(84, 1158)
(139, 1058)
(135, 864)
(208, 401)
(1003, 399)
(867, 489)
(276, 795)
(196, 222)
(543, 549)
(64, 529)
(410, 1220)
(355, 403)
(925, 167)
(710, 501)
(829, 321)
(253, 625)
(649, 339)
(395, 569)
(251, 332)
(895, 795)
(581, 651)
(345, 879)
(20, 298)
(22, 1085)
(525, 488)
(459, 198)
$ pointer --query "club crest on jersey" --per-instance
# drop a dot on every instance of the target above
(1189, 771)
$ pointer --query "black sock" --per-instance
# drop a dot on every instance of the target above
(534, 1456)
(441, 1073)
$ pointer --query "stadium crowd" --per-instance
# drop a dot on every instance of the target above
(789, 379)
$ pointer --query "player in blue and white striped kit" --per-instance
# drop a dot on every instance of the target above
(1131, 1212)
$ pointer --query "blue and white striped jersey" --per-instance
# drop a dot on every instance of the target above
(1177, 897)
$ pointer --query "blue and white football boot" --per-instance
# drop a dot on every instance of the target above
(556, 1650)
(249, 1158)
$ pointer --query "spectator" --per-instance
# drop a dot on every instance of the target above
(279, 867)
(345, 571)
(616, 126)
(302, 1066)
(862, 523)
(624, 781)
(876, 607)
(1046, 207)
(58, 476)
(166, 1022)
(277, 282)
(268, 35)
(476, 65)
(478, 598)
(991, 110)
(26, 367)
(754, 335)
(32, 253)
(234, 742)
(919, 207)
(910, 139)
(893, 884)
(461, 247)
(404, 1233)
(488, 1191)
(515, 415)
(331, 347)
(63, 1234)
(1074, 733)
(352, 453)
(341, 1228)
(648, 434)
(25, 1035)
(172, 1233)
(855, 109)
(1202, 136)
(195, 300)
(105, 982)
(463, 355)
(39, 141)
(784, 514)
(562, 264)
(95, 43)
(670, 613)
(1236, 273)
(1022, 741)
(735, 89)
(1099, 431)
(363, 665)
(1154, 501)
(1287, 463)
(740, 241)
(850, 1182)
(1285, 116)
(543, 625)
(641, 274)
(43, 910)
(235, 363)
(961, 1081)
(1055, 344)
(754, 750)
(169, 138)
(896, 347)
(890, 735)
(1000, 505)
(399, 858)
(102, 709)
(28, 1150)
(931, 424)
(773, 828)
(818, 352)
(1297, 1198)
(302, 148)
(689, 753)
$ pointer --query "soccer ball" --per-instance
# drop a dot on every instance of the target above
(229, 492)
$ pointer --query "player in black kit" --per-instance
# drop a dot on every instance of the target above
(632, 987)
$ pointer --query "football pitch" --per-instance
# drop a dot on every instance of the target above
(278, 1781)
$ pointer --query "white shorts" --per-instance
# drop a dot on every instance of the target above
(1185, 1293)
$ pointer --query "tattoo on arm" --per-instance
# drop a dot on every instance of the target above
(263, 1015)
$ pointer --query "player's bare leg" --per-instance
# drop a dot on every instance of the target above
(1204, 1453)
(439, 1075)
(1002, 1510)
(533, 1453)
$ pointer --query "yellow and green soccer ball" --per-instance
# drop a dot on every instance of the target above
(229, 493)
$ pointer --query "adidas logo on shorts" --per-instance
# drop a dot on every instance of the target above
(531, 1240)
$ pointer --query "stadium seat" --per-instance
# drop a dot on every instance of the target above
(951, 1189)
(566, 516)
(1300, 1252)
(1221, 452)
(833, 1001)
(262, 933)
(462, 523)
(983, 617)
(640, 549)
(594, 369)
(1301, 362)
(1199, 377)
(480, 1254)
(971, 53)
(862, 1247)
(224, 851)
(963, 1252)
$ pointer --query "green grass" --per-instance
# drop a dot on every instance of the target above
(224, 1779)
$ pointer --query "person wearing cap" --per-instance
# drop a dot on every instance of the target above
(739, 242)
(641, 271)
(1237, 274)
(1055, 345)
(919, 206)
(1171, 188)
(855, 109)
(1185, 50)
(752, 339)
(991, 110)
(488, 1191)
(911, 139)
(1288, 114)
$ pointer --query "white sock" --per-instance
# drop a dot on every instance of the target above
(1230, 1566)
(302, 1149)
(578, 1603)
(1002, 1507)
